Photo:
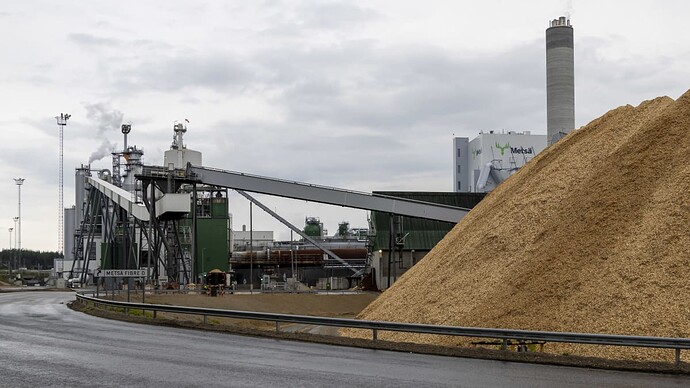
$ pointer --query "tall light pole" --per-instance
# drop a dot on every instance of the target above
(10, 261)
(61, 122)
(251, 249)
(15, 233)
(19, 182)
(14, 254)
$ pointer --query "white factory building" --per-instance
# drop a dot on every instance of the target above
(491, 157)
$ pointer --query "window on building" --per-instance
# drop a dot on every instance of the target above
(459, 153)
(459, 185)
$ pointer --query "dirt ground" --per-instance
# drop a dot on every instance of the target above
(324, 305)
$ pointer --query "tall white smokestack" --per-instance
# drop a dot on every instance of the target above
(560, 79)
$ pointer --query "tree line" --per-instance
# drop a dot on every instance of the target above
(29, 259)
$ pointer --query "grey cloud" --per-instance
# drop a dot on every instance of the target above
(221, 74)
(349, 103)
(391, 88)
(306, 19)
(335, 15)
(42, 169)
(92, 40)
(602, 84)
(329, 156)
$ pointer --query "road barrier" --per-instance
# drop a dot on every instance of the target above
(505, 335)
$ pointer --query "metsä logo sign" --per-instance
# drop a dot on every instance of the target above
(502, 148)
(522, 150)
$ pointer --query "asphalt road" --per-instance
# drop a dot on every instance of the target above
(45, 344)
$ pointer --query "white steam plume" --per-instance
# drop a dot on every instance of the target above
(106, 120)
(569, 9)
(105, 149)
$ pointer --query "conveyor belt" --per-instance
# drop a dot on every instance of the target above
(120, 196)
(327, 195)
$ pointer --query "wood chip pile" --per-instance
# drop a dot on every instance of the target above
(591, 236)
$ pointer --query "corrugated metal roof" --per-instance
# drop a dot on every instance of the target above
(423, 234)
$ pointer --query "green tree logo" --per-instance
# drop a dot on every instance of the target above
(503, 149)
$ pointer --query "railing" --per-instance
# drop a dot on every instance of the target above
(505, 335)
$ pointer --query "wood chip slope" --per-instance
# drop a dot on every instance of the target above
(592, 236)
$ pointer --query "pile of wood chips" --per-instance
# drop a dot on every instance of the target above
(591, 236)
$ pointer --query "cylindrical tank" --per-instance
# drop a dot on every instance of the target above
(560, 79)
(70, 227)
(313, 227)
(134, 166)
(80, 175)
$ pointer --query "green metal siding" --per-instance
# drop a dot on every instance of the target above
(212, 244)
(212, 235)
(113, 256)
(423, 234)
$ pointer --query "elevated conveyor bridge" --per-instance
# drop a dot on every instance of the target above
(243, 182)
(324, 194)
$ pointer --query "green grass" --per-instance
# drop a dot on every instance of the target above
(141, 313)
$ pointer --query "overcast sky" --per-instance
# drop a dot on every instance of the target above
(363, 95)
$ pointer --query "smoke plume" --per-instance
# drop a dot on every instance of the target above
(106, 119)
(569, 9)
(105, 149)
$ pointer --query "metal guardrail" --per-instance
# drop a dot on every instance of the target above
(505, 335)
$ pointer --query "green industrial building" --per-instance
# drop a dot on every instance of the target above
(212, 231)
(413, 237)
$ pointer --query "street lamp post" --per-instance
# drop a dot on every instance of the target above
(19, 182)
(10, 261)
(15, 228)
(251, 250)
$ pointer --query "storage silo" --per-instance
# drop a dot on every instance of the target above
(560, 79)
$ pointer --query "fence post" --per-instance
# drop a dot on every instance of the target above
(677, 356)
(154, 313)
(374, 334)
(277, 327)
(205, 319)
(504, 344)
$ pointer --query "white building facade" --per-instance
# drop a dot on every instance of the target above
(483, 163)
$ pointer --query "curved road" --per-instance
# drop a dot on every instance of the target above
(44, 344)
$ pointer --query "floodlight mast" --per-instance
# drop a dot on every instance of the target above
(61, 122)
(19, 182)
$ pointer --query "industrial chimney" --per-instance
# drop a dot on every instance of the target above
(560, 79)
